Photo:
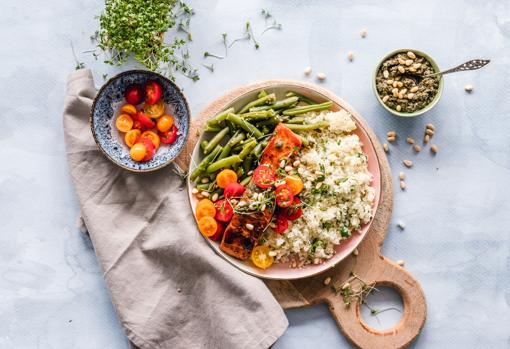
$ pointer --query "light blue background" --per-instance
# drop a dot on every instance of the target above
(456, 208)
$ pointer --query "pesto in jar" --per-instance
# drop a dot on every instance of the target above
(398, 90)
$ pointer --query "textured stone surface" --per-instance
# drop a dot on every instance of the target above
(456, 240)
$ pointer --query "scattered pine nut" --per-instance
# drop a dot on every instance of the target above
(386, 147)
(307, 70)
(401, 175)
(429, 132)
(327, 281)
(401, 262)
(350, 55)
(409, 62)
(403, 185)
(468, 88)
(214, 198)
(430, 127)
(346, 285)
(434, 149)
(355, 252)
(417, 148)
(364, 33)
(426, 139)
(249, 226)
(410, 140)
(401, 225)
(391, 134)
(205, 194)
(391, 139)
(204, 180)
(411, 55)
(194, 191)
(179, 290)
(321, 76)
(408, 163)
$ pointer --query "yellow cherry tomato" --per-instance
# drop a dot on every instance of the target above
(154, 110)
(138, 152)
(205, 208)
(153, 137)
(225, 177)
(124, 123)
(131, 137)
(128, 109)
(261, 258)
(295, 183)
(207, 226)
(165, 123)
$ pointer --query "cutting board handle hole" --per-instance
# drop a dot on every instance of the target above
(382, 309)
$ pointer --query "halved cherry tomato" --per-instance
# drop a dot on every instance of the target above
(128, 109)
(134, 94)
(131, 137)
(207, 226)
(138, 152)
(264, 176)
(233, 190)
(225, 177)
(154, 110)
(282, 224)
(294, 211)
(261, 258)
(284, 196)
(224, 211)
(145, 120)
(205, 207)
(124, 123)
(165, 123)
(219, 232)
(168, 137)
(151, 148)
(295, 183)
(153, 92)
(153, 137)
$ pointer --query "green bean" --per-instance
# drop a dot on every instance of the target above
(240, 172)
(258, 115)
(236, 138)
(212, 128)
(307, 108)
(215, 140)
(246, 181)
(204, 186)
(269, 122)
(304, 141)
(202, 166)
(257, 151)
(296, 120)
(281, 104)
(245, 125)
(247, 148)
(233, 128)
(203, 144)
(260, 101)
(225, 162)
(301, 97)
(307, 127)
(247, 163)
(219, 117)
(262, 93)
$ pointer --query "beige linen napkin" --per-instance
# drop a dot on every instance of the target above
(169, 288)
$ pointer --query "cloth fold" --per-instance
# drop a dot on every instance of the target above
(170, 290)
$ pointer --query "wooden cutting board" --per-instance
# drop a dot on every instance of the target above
(369, 265)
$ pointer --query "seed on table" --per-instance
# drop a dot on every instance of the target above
(411, 55)
(414, 89)
(355, 252)
(386, 147)
(402, 185)
(214, 198)
(386, 74)
(391, 139)
(430, 126)
(468, 88)
(399, 108)
(401, 61)
(350, 55)
(410, 95)
(194, 191)
(410, 140)
(434, 148)
(204, 180)
(429, 132)
(400, 84)
(391, 134)
(307, 70)
(363, 33)
(401, 175)
(321, 76)
(249, 226)
(401, 262)
(205, 194)
(426, 139)
(385, 98)
(327, 281)
(417, 148)
(409, 62)
(408, 163)
(401, 69)
(401, 225)
(179, 290)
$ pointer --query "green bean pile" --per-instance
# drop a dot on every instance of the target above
(239, 138)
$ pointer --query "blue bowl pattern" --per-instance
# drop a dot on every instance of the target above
(105, 109)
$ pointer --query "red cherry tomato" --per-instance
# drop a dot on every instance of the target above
(134, 94)
(151, 148)
(219, 232)
(284, 196)
(169, 136)
(233, 190)
(145, 121)
(153, 92)
(264, 176)
(282, 224)
(294, 211)
(224, 211)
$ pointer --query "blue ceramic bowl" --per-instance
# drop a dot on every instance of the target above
(105, 110)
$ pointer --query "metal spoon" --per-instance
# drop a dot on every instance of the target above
(469, 65)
